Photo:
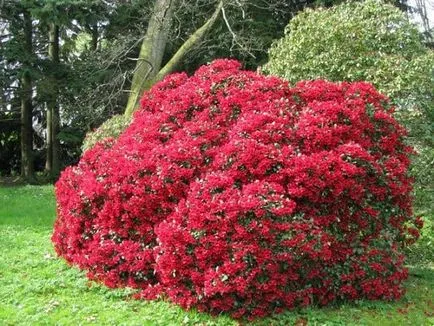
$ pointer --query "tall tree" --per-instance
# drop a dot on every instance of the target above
(423, 10)
(27, 168)
(153, 47)
(31, 76)
(52, 165)
(152, 50)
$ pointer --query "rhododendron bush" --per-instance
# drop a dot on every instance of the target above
(232, 192)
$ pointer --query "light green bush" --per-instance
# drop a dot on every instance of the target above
(113, 127)
(370, 41)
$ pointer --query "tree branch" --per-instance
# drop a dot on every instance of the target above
(195, 38)
(234, 36)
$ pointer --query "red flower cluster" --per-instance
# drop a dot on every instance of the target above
(232, 192)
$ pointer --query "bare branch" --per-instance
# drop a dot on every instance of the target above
(234, 36)
(194, 39)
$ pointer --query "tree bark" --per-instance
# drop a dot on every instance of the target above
(148, 72)
(52, 165)
(151, 51)
(94, 41)
(27, 168)
(193, 40)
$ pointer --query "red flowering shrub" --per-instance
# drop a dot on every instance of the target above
(233, 192)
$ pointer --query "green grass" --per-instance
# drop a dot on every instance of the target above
(37, 288)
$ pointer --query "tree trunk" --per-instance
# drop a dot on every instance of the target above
(147, 71)
(193, 40)
(151, 52)
(27, 169)
(94, 41)
(52, 165)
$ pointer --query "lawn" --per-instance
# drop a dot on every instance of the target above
(37, 288)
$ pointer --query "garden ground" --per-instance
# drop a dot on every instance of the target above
(37, 288)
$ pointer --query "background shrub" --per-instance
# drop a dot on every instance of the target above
(232, 192)
(356, 41)
(111, 128)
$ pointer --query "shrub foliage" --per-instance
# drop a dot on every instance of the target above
(111, 128)
(232, 192)
(356, 41)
